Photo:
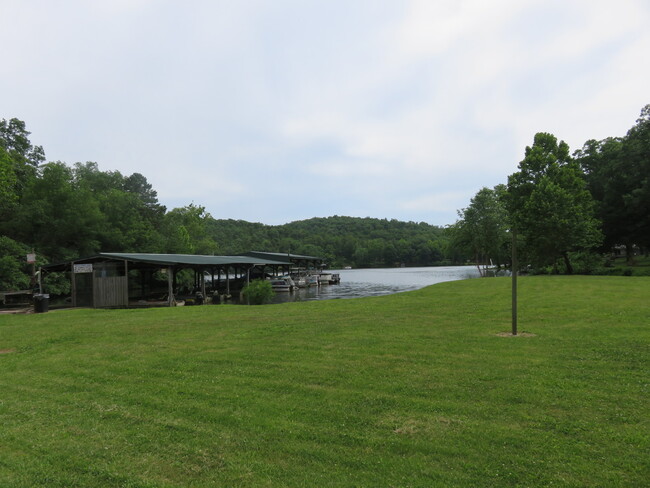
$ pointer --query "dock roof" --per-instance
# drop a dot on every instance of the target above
(282, 256)
(189, 260)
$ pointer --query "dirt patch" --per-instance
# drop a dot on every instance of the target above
(17, 310)
(7, 351)
(519, 334)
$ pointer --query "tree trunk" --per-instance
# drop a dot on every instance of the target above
(567, 263)
(478, 265)
(629, 254)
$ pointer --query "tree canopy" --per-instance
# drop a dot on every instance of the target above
(549, 204)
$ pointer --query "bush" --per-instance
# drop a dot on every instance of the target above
(258, 292)
(586, 262)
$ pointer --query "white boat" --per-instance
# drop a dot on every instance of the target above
(300, 281)
(325, 278)
(289, 280)
(279, 284)
(329, 278)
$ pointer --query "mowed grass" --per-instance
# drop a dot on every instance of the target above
(414, 389)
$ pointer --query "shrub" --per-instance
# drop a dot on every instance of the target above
(258, 292)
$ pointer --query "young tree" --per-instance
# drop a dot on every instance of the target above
(482, 228)
(549, 204)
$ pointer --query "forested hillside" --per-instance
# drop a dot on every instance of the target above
(342, 241)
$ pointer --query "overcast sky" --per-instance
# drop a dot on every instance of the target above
(280, 110)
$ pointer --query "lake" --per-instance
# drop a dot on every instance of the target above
(357, 283)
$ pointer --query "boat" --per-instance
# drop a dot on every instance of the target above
(289, 280)
(279, 284)
(300, 281)
(329, 278)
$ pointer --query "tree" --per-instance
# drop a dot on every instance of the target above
(8, 181)
(25, 158)
(57, 217)
(549, 204)
(482, 228)
(13, 266)
(185, 231)
(618, 176)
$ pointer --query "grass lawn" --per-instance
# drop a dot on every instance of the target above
(414, 389)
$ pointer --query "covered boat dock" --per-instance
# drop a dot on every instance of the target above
(129, 279)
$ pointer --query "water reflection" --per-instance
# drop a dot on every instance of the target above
(357, 283)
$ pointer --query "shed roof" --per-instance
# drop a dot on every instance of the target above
(194, 260)
(282, 256)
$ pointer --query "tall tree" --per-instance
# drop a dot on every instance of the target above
(618, 175)
(8, 181)
(25, 158)
(185, 231)
(549, 204)
(57, 217)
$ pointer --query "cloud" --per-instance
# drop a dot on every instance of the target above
(400, 109)
(440, 202)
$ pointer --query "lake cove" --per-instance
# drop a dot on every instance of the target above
(412, 389)
(357, 283)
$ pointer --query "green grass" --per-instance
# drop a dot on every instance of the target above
(414, 389)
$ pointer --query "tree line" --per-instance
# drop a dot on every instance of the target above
(564, 211)
(63, 211)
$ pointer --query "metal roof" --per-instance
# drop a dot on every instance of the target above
(194, 260)
(282, 256)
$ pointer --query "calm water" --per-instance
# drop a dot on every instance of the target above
(373, 282)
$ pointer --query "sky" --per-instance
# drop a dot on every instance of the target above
(274, 111)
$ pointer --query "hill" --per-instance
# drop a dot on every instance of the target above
(343, 241)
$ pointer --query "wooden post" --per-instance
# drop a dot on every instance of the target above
(126, 283)
(170, 286)
(515, 265)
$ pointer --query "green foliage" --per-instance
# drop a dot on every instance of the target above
(25, 158)
(618, 174)
(13, 265)
(481, 231)
(258, 292)
(549, 204)
(185, 231)
(8, 182)
(342, 241)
